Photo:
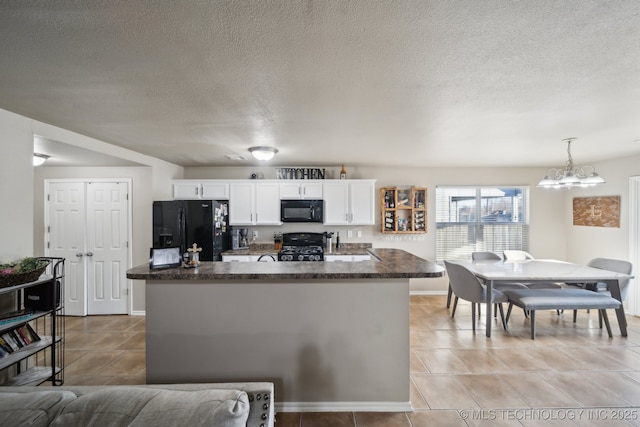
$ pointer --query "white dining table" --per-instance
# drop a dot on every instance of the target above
(528, 271)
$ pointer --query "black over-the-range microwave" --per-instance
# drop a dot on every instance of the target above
(301, 210)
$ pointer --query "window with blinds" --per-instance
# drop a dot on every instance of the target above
(470, 219)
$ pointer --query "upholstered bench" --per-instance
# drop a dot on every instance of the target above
(559, 299)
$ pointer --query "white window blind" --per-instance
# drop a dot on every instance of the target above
(470, 219)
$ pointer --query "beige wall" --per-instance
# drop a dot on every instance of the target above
(16, 183)
(552, 232)
(585, 243)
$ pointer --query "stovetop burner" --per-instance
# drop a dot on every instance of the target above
(301, 247)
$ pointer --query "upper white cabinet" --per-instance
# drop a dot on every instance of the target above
(205, 189)
(301, 190)
(349, 202)
(257, 202)
(253, 203)
(268, 204)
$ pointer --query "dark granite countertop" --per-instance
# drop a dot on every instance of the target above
(385, 264)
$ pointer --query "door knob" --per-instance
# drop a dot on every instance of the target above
(79, 254)
(89, 253)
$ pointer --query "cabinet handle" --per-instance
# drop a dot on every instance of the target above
(89, 254)
(201, 190)
(79, 254)
(197, 190)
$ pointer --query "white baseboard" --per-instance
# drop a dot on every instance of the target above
(427, 292)
(138, 313)
(343, 407)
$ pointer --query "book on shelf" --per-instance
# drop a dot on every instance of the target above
(10, 341)
(15, 339)
(33, 336)
(5, 346)
(23, 334)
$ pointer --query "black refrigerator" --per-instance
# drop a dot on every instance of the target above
(185, 222)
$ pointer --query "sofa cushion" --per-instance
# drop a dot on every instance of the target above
(134, 406)
(36, 408)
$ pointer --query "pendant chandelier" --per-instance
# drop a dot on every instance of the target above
(571, 176)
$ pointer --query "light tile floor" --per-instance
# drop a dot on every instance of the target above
(571, 374)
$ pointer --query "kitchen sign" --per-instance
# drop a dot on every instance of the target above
(300, 173)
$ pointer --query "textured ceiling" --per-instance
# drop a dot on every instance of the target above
(361, 82)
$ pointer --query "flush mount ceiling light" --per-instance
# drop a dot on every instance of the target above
(570, 175)
(39, 159)
(263, 153)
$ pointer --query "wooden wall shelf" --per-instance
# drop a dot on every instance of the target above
(403, 210)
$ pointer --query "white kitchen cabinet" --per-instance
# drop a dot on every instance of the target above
(349, 202)
(236, 258)
(249, 258)
(242, 203)
(301, 190)
(254, 203)
(188, 189)
(268, 204)
(215, 190)
(337, 258)
(362, 202)
(346, 258)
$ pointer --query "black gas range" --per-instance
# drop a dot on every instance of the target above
(302, 247)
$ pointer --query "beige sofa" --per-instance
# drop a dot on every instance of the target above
(214, 404)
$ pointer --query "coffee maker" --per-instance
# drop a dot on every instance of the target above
(240, 238)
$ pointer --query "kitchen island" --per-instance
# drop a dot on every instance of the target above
(330, 336)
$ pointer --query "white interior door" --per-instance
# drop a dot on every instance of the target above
(107, 251)
(88, 224)
(66, 226)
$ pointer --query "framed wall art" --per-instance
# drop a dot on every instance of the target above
(601, 211)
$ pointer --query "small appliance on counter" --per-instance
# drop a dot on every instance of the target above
(328, 236)
(301, 247)
(239, 238)
(191, 258)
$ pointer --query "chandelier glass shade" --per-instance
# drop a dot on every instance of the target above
(263, 153)
(571, 175)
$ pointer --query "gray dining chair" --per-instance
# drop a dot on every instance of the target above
(518, 255)
(616, 265)
(474, 256)
(489, 256)
(466, 286)
(492, 256)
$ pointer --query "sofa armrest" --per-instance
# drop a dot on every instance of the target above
(260, 394)
(261, 412)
